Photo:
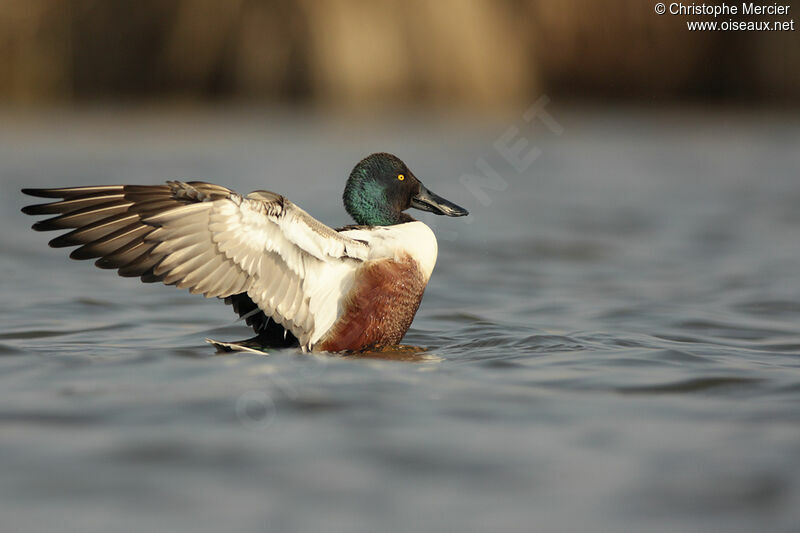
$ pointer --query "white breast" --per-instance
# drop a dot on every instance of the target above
(412, 238)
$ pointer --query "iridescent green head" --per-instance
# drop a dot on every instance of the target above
(381, 187)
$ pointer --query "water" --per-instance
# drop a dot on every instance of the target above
(617, 328)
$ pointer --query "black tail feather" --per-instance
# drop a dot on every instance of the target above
(270, 333)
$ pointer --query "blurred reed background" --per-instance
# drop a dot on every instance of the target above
(480, 54)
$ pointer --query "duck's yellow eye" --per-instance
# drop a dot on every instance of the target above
(401, 177)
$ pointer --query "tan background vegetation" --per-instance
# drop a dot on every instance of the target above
(478, 53)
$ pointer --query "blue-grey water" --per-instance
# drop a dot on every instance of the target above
(616, 332)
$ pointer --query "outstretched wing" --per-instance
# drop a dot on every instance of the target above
(212, 241)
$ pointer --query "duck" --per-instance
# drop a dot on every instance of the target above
(294, 280)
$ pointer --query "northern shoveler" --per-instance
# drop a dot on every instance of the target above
(295, 280)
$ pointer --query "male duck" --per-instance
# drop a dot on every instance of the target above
(351, 289)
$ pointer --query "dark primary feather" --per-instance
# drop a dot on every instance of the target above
(107, 224)
(107, 220)
(71, 192)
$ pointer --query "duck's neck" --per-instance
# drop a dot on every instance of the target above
(381, 218)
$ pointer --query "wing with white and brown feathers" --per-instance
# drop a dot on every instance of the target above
(213, 241)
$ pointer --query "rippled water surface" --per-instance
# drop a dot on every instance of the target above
(616, 331)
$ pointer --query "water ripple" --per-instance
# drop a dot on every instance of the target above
(737, 384)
